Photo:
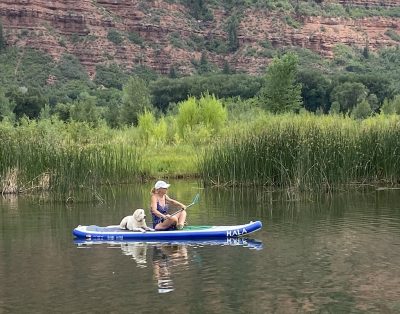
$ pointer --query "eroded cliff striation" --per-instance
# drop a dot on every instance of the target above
(165, 31)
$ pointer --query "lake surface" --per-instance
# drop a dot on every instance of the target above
(318, 253)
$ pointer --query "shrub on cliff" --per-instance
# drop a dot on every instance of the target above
(2, 39)
(110, 76)
(115, 37)
(70, 68)
(199, 10)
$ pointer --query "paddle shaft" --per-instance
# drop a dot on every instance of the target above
(181, 210)
(195, 201)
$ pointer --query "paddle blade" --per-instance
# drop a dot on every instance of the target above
(196, 199)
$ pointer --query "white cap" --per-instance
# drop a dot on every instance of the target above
(161, 185)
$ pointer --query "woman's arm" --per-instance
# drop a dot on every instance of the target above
(174, 202)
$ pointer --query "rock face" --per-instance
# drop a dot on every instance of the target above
(371, 3)
(162, 35)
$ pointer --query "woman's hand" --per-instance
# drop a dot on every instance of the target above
(167, 216)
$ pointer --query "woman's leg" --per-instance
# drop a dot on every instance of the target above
(167, 223)
(181, 219)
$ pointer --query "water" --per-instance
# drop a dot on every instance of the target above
(318, 253)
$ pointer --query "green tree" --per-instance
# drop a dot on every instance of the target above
(28, 101)
(314, 89)
(84, 109)
(67, 92)
(173, 73)
(70, 68)
(135, 100)
(110, 76)
(45, 112)
(145, 73)
(2, 39)
(280, 92)
(396, 103)
(226, 68)
(373, 101)
(362, 110)
(204, 66)
(378, 84)
(6, 107)
(349, 94)
(165, 91)
(63, 111)
(391, 106)
(335, 108)
(111, 101)
(231, 28)
(198, 9)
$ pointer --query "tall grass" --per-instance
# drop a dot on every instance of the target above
(307, 152)
(69, 160)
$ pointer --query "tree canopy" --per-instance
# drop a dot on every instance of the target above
(281, 92)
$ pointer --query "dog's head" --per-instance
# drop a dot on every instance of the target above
(139, 214)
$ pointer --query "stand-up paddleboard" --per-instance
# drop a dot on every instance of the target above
(188, 233)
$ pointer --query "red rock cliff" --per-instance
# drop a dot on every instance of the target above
(81, 28)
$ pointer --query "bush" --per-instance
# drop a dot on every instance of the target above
(110, 76)
(115, 37)
(207, 111)
(135, 38)
(146, 123)
(393, 35)
(391, 106)
(188, 114)
(70, 68)
(362, 110)
(212, 113)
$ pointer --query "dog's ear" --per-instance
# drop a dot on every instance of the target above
(138, 213)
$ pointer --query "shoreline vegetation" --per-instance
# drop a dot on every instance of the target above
(287, 151)
(307, 124)
(308, 152)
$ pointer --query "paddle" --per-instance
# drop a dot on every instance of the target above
(194, 201)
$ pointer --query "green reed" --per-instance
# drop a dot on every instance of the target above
(46, 157)
(307, 152)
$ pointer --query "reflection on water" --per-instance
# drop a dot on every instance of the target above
(138, 251)
(336, 253)
(165, 256)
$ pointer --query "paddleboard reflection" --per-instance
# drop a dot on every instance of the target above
(164, 256)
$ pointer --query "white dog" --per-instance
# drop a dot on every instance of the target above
(135, 222)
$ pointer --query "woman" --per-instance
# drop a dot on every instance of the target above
(159, 209)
